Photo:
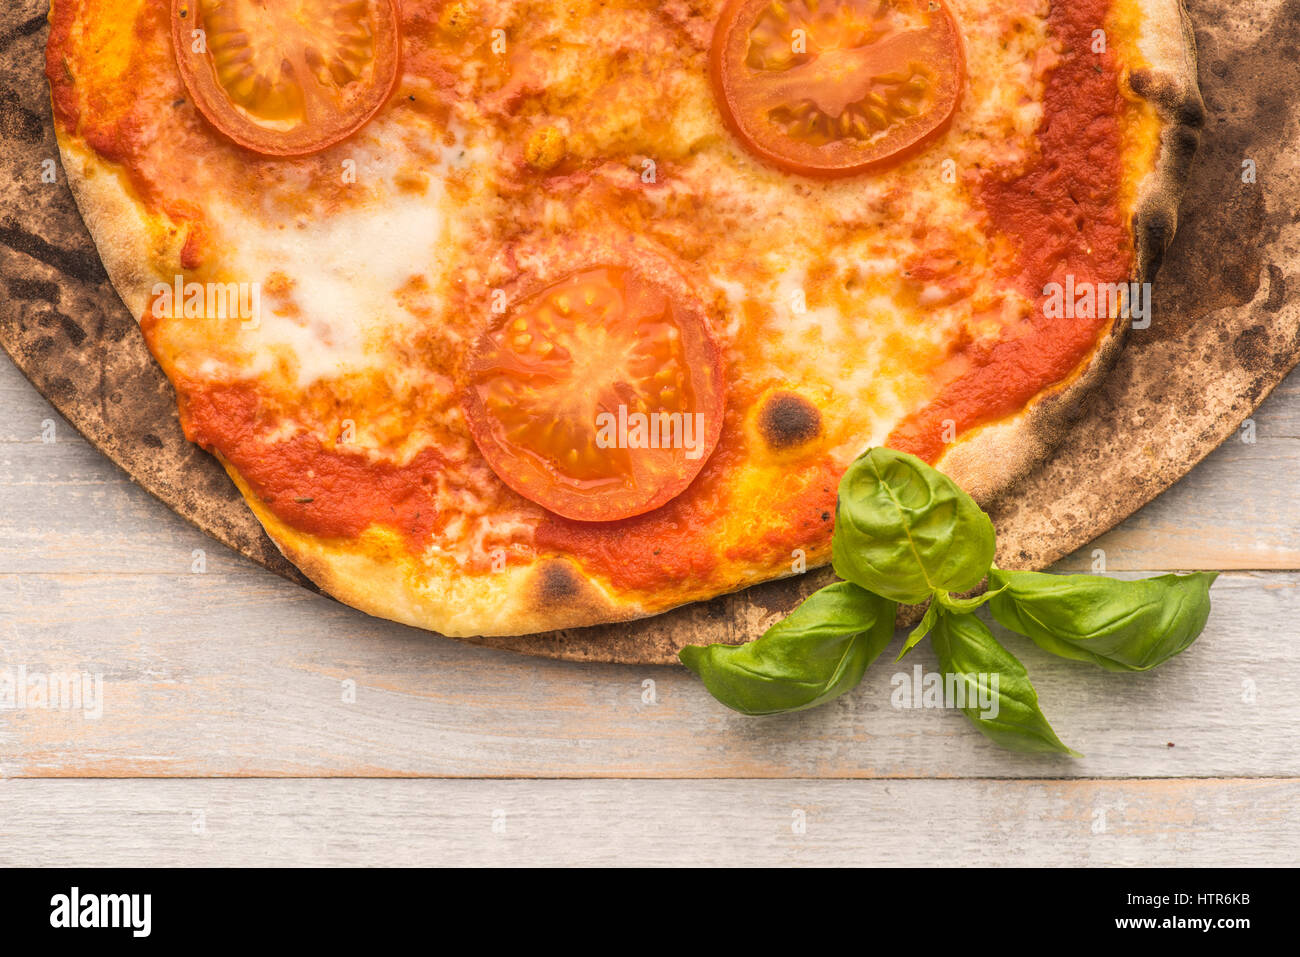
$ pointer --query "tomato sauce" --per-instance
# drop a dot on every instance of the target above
(323, 492)
(124, 117)
(670, 544)
(664, 545)
(1063, 217)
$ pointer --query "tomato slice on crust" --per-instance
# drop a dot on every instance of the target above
(599, 397)
(834, 87)
(287, 77)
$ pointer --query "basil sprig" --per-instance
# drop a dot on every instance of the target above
(817, 653)
(904, 532)
(1119, 625)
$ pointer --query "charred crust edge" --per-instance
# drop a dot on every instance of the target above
(1174, 91)
(561, 594)
(1177, 100)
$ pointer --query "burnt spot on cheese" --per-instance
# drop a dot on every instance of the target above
(787, 421)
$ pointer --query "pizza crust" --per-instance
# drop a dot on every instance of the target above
(377, 576)
(381, 579)
(127, 239)
(990, 462)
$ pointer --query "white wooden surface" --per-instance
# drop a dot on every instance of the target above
(612, 822)
(236, 682)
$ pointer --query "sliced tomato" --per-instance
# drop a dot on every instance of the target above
(287, 77)
(564, 394)
(834, 87)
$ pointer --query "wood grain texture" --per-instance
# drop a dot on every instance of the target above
(62, 320)
(659, 823)
(242, 674)
(1224, 333)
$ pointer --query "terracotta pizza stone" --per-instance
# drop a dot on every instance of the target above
(1225, 332)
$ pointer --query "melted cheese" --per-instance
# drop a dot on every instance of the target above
(346, 268)
(372, 291)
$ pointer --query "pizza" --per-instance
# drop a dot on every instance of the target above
(524, 315)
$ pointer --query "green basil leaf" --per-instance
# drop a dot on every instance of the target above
(905, 530)
(962, 606)
(1118, 625)
(817, 653)
(1000, 700)
(921, 630)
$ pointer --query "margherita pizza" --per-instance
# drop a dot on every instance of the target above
(525, 314)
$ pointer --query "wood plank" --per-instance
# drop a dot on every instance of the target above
(241, 673)
(649, 823)
(65, 508)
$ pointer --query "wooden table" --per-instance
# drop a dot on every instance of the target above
(246, 721)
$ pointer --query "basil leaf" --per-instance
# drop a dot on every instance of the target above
(998, 696)
(962, 606)
(905, 530)
(1118, 625)
(921, 630)
(815, 654)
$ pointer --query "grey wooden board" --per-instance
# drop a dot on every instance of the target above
(655, 823)
(232, 675)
